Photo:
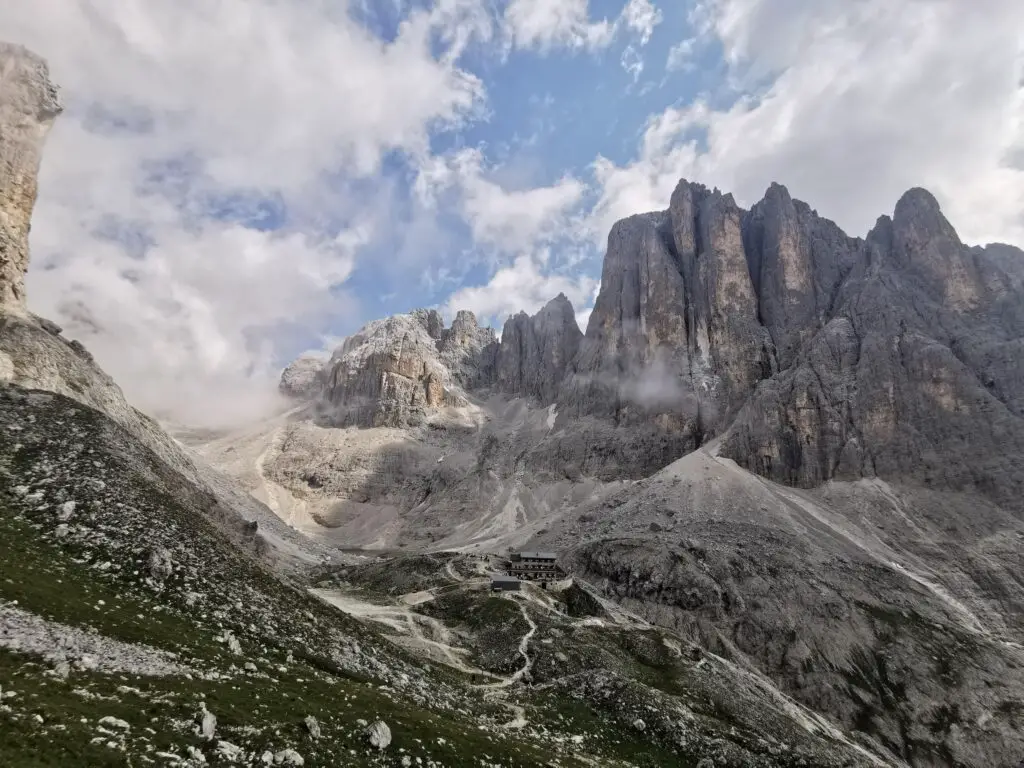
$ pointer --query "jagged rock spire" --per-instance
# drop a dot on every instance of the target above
(29, 104)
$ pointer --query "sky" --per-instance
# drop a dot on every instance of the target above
(234, 182)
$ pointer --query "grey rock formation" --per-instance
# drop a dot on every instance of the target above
(312, 726)
(378, 734)
(674, 345)
(206, 722)
(161, 566)
(915, 375)
(797, 261)
(466, 349)
(28, 106)
(724, 333)
(399, 370)
(303, 379)
(535, 352)
(288, 757)
(880, 606)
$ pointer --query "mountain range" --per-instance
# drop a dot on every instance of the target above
(783, 466)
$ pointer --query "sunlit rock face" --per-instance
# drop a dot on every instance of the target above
(28, 106)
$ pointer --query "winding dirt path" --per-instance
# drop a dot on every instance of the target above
(524, 645)
(408, 627)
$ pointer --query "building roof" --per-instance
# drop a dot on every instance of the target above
(498, 578)
(538, 555)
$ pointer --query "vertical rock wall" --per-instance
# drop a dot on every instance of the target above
(29, 104)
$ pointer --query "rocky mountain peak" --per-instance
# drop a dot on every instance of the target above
(468, 350)
(431, 320)
(926, 246)
(536, 352)
(303, 379)
(389, 373)
(915, 202)
(29, 103)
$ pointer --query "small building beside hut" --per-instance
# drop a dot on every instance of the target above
(503, 583)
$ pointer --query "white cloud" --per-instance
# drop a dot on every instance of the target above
(863, 100)
(178, 109)
(525, 285)
(641, 16)
(680, 56)
(548, 24)
(191, 333)
(632, 62)
(510, 221)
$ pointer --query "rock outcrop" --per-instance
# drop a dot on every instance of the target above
(466, 349)
(536, 352)
(797, 261)
(916, 373)
(303, 379)
(824, 356)
(29, 104)
(400, 370)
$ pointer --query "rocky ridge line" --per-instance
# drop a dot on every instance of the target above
(824, 356)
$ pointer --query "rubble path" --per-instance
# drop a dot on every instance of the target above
(408, 624)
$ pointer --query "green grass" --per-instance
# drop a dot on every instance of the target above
(46, 580)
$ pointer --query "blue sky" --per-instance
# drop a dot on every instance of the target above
(549, 114)
(236, 181)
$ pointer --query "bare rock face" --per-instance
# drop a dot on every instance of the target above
(466, 349)
(28, 106)
(726, 339)
(303, 379)
(388, 374)
(674, 345)
(916, 375)
(797, 261)
(396, 371)
(638, 325)
(536, 352)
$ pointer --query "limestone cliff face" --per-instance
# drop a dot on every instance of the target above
(638, 326)
(727, 340)
(466, 349)
(391, 373)
(28, 106)
(916, 374)
(797, 261)
(535, 352)
(674, 344)
(823, 356)
(303, 379)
